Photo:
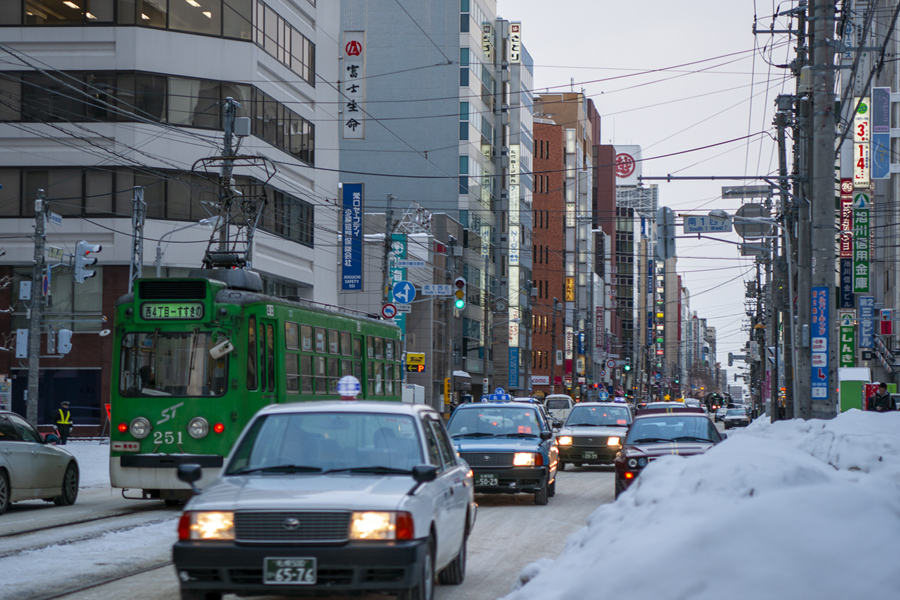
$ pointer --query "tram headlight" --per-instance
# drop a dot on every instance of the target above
(198, 428)
(140, 428)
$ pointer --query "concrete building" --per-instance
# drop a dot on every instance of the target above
(97, 99)
(436, 109)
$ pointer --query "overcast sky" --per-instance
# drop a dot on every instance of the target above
(711, 82)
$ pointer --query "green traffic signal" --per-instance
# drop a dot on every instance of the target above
(460, 304)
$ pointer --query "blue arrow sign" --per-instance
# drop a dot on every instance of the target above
(604, 394)
(404, 292)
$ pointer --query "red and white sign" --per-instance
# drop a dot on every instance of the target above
(611, 364)
(352, 90)
(819, 344)
(625, 165)
(389, 311)
(628, 164)
(887, 318)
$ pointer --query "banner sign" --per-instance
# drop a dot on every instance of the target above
(847, 352)
(881, 133)
(846, 219)
(353, 85)
(352, 237)
(861, 204)
(848, 300)
(861, 139)
(819, 339)
(866, 321)
(397, 273)
(513, 369)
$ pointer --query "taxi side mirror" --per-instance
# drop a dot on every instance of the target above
(546, 435)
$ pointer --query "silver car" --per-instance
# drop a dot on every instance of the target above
(593, 434)
(336, 497)
(31, 468)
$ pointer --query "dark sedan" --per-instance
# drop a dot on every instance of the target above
(592, 434)
(662, 432)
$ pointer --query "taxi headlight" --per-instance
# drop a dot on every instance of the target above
(632, 462)
(198, 428)
(613, 441)
(564, 440)
(206, 526)
(387, 525)
(140, 428)
(523, 459)
(642, 462)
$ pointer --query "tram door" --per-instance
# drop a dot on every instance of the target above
(267, 360)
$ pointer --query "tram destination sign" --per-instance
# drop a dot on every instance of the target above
(163, 311)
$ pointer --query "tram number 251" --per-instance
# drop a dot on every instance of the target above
(166, 437)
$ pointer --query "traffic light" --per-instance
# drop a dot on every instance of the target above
(627, 365)
(83, 260)
(64, 341)
(665, 233)
(459, 294)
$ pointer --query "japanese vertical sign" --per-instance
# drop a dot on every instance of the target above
(861, 206)
(847, 297)
(397, 273)
(846, 220)
(866, 321)
(352, 237)
(487, 40)
(353, 85)
(819, 337)
(513, 368)
(514, 217)
(847, 354)
(515, 42)
(861, 139)
(881, 133)
(887, 321)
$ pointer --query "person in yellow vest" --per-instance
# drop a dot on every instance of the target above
(64, 422)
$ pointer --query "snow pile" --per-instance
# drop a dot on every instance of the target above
(93, 462)
(797, 509)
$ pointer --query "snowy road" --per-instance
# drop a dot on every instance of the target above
(511, 532)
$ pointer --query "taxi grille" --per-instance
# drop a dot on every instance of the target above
(292, 526)
(591, 442)
(488, 459)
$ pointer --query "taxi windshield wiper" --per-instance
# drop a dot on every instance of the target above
(582, 425)
(474, 434)
(279, 469)
(519, 434)
(371, 469)
(690, 438)
(649, 441)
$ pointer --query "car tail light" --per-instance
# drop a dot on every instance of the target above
(184, 527)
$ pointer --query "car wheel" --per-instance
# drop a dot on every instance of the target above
(424, 587)
(4, 492)
(619, 487)
(561, 466)
(455, 572)
(69, 487)
(199, 595)
(542, 496)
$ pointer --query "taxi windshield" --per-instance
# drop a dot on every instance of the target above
(492, 421)
(599, 415)
(170, 363)
(671, 428)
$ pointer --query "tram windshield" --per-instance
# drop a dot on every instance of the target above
(170, 363)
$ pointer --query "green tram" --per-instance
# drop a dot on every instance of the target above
(198, 356)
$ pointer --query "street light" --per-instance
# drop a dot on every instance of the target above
(207, 223)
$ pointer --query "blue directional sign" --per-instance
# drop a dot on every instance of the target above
(404, 292)
(604, 395)
(819, 338)
(704, 224)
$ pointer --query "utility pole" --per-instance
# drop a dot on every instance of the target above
(35, 324)
(822, 403)
(553, 350)
(787, 290)
(388, 232)
(486, 316)
(136, 269)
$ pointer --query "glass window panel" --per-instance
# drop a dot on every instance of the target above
(291, 336)
(127, 9)
(207, 108)
(321, 385)
(370, 347)
(346, 367)
(333, 375)
(149, 98)
(101, 89)
(10, 97)
(357, 370)
(52, 12)
(98, 11)
(11, 14)
(178, 200)
(46, 99)
(154, 194)
(270, 32)
(388, 350)
(281, 126)
(252, 363)
(10, 193)
(334, 341)
(389, 380)
(320, 339)
(270, 356)
(124, 182)
(153, 13)
(270, 121)
(203, 16)
(346, 346)
(379, 379)
(241, 93)
(182, 99)
(237, 19)
(306, 338)
(98, 191)
(306, 379)
(291, 372)
(379, 348)
(357, 348)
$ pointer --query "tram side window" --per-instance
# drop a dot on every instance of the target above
(370, 347)
(321, 386)
(320, 339)
(357, 370)
(333, 375)
(291, 372)
(357, 348)
(346, 348)
(388, 349)
(379, 348)
(370, 372)
(379, 379)
(270, 357)
(252, 358)
(306, 338)
(389, 380)
(334, 341)
(346, 368)
(306, 374)
(291, 336)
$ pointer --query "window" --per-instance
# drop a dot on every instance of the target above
(159, 363)
(333, 374)
(291, 336)
(251, 354)
(292, 372)
(306, 374)
(320, 339)
(379, 348)
(357, 348)
(434, 450)
(270, 357)
(448, 454)
(321, 375)
(370, 347)
(306, 338)
(195, 17)
(334, 346)
(346, 348)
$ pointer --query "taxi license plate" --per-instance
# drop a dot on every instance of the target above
(589, 455)
(486, 479)
(289, 571)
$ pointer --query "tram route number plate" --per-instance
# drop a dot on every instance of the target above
(161, 311)
(289, 571)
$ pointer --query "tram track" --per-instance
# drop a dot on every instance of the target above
(102, 581)
(61, 525)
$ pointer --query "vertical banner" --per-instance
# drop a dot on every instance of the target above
(351, 237)
(881, 133)
(513, 369)
(861, 139)
(846, 219)
(397, 273)
(847, 352)
(353, 85)
(866, 321)
(848, 300)
(887, 321)
(861, 205)
(515, 42)
(819, 338)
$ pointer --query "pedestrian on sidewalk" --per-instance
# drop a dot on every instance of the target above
(882, 400)
(64, 422)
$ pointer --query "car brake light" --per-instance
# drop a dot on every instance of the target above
(184, 526)
(404, 526)
(629, 475)
(218, 427)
